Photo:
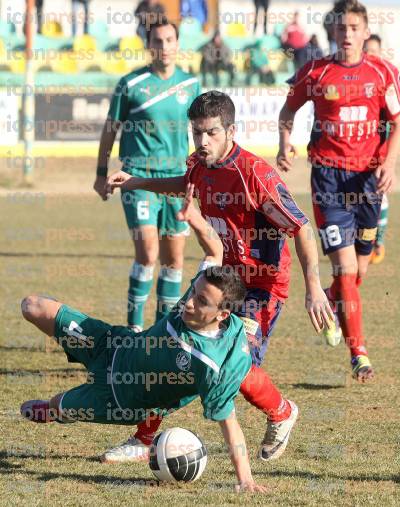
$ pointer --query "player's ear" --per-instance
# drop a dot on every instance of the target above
(223, 314)
(230, 133)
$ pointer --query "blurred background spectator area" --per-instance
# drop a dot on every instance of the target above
(109, 39)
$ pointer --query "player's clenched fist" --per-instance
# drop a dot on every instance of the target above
(99, 186)
(120, 179)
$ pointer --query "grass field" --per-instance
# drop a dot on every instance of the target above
(343, 451)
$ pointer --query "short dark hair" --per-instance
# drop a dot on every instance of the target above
(211, 105)
(161, 20)
(231, 285)
(375, 37)
(343, 7)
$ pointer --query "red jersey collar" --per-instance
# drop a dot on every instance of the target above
(232, 155)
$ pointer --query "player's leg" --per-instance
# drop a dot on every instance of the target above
(82, 338)
(43, 411)
(172, 244)
(378, 253)
(260, 314)
(137, 447)
(41, 311)
(170, 276)
(141, 212)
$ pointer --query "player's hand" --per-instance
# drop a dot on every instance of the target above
(188, 208)
(251, 487)
(319, 309)
(285, 157)
(119, 180)
(99, 186)
(386, 178)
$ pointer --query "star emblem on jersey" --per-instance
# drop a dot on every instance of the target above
(331, 93)
(183, 361)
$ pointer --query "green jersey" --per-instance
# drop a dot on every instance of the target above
(153, 112)
(168, 365)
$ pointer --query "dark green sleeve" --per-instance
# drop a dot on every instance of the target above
(217, 395)
(119, 106)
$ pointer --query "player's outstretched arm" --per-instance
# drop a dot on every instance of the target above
(236, 443)
(386, 172)
(206, 235)
(286, 150)
(107, 139)
(171, 186)
(317, 303)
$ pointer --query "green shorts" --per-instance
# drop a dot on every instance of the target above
(148, 208)
(92, 343)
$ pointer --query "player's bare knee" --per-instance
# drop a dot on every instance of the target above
(30, 307)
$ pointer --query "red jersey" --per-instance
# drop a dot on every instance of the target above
(352, 105)
(250, 208)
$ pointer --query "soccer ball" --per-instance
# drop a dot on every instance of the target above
(177, 454)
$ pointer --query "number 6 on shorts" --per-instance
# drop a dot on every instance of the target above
(143, 211)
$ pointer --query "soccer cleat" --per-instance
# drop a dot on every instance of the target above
(361, 368)
(37, 411)
(333, 334)
(135, 328)
(277, 435)
(133, 450)
(378, 254)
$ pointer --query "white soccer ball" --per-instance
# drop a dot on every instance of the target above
(177, 454)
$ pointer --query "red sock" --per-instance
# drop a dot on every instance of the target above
(344, 291)
(147, 429)
(258, 389)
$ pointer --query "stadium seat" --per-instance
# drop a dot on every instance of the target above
(98, 29)
(65, 63)
(134, 43)
(118, 62)
(269, 42)
(7, 28)
(83, 43)
(52, 29)
(191, 35)
(236, 30)
(189, 61)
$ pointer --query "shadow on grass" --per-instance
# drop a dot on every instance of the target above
(316, 387)
(31, 348)
(77, 255)
(328, 477)
(55, 371)
(108, 480)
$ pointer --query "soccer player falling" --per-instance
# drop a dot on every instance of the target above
(353, 163)
(199, 349)
(251, 210)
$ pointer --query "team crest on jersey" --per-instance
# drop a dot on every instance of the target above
(331, 93)
(182, 96)
(183, 361)
(221, 200)
(369, 90)
(145, 90)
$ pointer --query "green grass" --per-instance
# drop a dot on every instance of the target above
(343, 451)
